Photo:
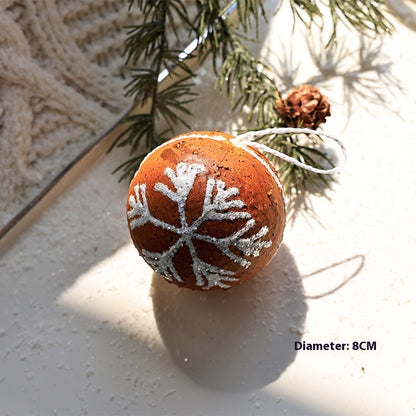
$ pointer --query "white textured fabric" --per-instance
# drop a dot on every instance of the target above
(61, 83)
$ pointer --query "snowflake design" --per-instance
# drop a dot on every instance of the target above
(215, 207)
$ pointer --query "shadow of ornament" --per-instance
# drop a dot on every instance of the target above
(235, 340)
(329, 279)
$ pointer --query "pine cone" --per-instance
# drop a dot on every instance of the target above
(304, 107)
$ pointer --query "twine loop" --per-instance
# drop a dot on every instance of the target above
(248, 139)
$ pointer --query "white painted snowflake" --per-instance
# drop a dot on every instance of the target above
(214, 208)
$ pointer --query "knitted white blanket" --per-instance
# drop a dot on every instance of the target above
(61, 82)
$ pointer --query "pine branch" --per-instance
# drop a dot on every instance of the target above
(249, 10)
(365, 16)
(307, 11)
(246, 81)
(241, 76)
(149, 42)
(173, 100)
(213, 29)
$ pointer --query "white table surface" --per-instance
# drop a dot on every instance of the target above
(87, 328)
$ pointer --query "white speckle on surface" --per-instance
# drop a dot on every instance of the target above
(170, 393)
(295, 330)
(253, 397)
(89, 373)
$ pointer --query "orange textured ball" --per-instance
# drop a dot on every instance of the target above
(204, 212)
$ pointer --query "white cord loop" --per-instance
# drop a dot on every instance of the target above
(247, 139)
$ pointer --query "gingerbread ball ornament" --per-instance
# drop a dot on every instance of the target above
(204, 212)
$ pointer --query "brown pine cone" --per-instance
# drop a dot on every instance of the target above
(304, 107)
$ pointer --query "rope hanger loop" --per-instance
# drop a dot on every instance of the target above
(248, 139)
